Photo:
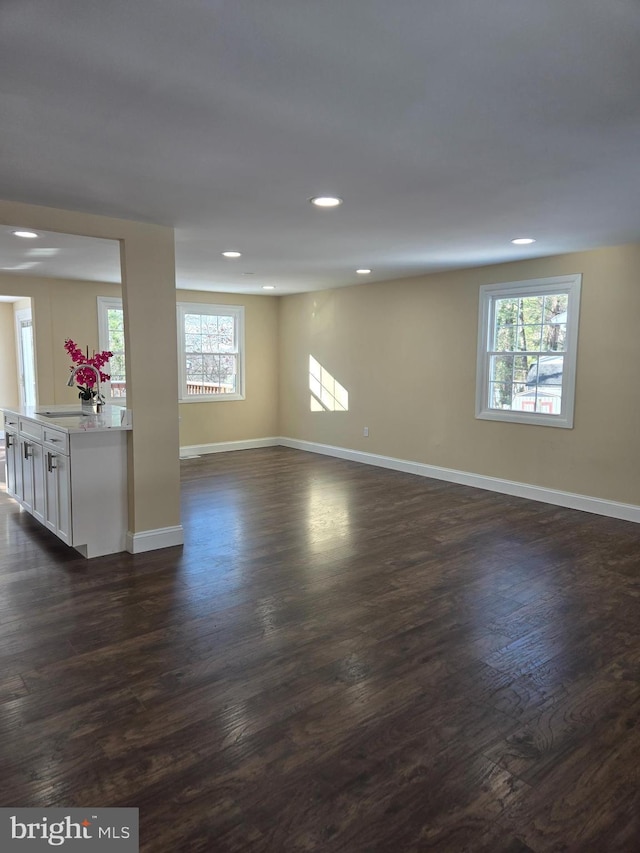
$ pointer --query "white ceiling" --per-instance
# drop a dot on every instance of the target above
(59, 256)
(448, 127)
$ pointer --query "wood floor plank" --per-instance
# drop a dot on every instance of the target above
(340, 658)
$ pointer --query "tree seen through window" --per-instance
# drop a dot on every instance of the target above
(529, 341)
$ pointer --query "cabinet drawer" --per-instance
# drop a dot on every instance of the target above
(31, 428)
(10, 420)
(56, 439)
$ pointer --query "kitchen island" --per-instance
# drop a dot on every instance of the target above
(69, 470)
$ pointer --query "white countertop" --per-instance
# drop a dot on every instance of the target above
(110, 418)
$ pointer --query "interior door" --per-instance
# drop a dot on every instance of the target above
(26, 357)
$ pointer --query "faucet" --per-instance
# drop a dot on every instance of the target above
(99, 398)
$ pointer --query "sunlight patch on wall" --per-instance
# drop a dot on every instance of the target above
(327, 394)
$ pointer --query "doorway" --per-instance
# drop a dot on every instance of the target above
(26, 357)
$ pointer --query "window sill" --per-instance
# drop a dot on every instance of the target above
(214, 398)
(521, 418)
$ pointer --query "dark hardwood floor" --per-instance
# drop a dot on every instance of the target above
(341, 658)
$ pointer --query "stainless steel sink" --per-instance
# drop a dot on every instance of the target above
(76, 413)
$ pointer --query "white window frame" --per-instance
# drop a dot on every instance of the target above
(489, 293)
(237, 311)
(104, 303)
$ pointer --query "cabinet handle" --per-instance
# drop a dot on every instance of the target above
(9, 442)
(50, 466)
(52, 440)
(27, 455)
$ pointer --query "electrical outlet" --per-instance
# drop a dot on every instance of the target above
(365, 432)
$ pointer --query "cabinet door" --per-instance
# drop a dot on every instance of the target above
(58, 495)
(37, 461)
(32, 470)
(26, 473)
(11, 458)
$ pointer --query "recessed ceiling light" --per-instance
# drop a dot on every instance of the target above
(28, 234)
(268, 287)
(232, 254)
(326, 201)
(523, 241)
(363, 272)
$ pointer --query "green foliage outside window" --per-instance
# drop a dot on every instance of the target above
(525, 329)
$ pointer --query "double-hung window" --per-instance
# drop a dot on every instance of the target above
(527, 347)
(211, 352)
(111, 337)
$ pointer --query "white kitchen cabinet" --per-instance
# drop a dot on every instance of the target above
(57, 484)
(12, 459)
(31, 461)
(74, 481)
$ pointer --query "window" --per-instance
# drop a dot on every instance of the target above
(111, 337)
(211, 348)
(527, 345)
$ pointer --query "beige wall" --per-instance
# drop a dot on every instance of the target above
(406, 352)
(257, 415)
(68, 309)
(8, 366)
(61, 309)
(148, 290)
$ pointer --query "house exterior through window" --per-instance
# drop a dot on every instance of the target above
(527, 347)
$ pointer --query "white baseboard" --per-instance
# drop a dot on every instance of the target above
(224, 446)
(152, 540)
(613, 509)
